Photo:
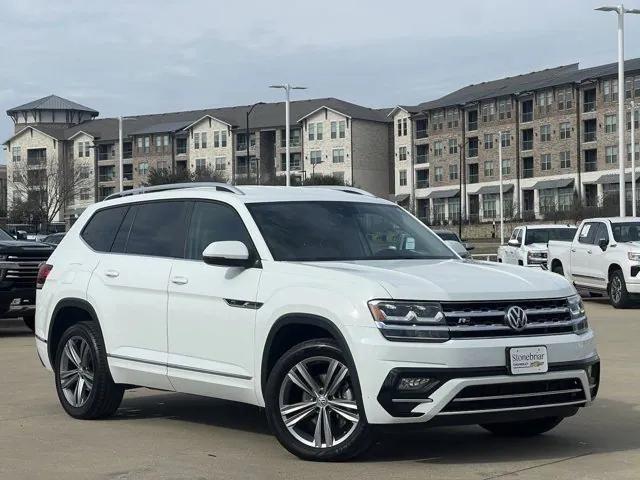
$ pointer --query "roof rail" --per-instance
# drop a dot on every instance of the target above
(223, 187)
(343, 188)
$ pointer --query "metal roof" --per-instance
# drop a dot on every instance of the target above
(454, 192)
(557, 183)
(52, 102)
(490, 189)
(612, 178)
(168, 127)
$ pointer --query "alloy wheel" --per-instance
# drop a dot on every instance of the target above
(317, 402)
(76, 371)
(616, 289)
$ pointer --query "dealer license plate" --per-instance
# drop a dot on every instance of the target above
(524, 360)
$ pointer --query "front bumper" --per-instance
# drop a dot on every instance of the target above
(468, 363)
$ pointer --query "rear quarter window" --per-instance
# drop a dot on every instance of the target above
(102, 227)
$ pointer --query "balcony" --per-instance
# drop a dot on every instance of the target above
(107, 177)
(424, 158)
(127, 154)
(527, 173)
(106, 156)
(422, 183)
(473, 152)
(421, 134)
(590, 166)
(36, 161)
(526, 117)
(589, 107)
(589, 136)
(527, 145)
(472, 126)
(473, 178)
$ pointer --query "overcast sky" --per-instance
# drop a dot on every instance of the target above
(147, 56)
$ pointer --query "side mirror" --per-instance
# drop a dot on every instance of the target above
(513, 243)
(603, 244)
(21, 235)
(468, 246)
(227, 254)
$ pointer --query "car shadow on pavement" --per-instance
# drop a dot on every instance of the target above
(607, 426)
(14, 327)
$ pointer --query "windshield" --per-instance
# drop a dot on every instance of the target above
(5, 236)
(448, 236)
(326, 231)
(543, 235)
(626, 232)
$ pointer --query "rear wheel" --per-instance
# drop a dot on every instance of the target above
(524, 428)
(618, 295)
(83, 382)
(313, 405)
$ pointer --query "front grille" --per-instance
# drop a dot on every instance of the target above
(516, 396)
(487, 319)
(22, 269)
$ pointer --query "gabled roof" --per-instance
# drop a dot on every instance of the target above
(323, 107)
(52, 102)
(54, 133)
(189, 125)
(79, 132)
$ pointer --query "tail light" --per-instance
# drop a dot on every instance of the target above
(43, 273)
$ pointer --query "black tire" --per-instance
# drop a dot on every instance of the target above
(29, 320)
(354, 443)
(557, 268)
(526, 428)
(105, 395)
(618, 295)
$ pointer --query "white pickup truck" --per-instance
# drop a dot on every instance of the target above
(528, 243)
(604, 257)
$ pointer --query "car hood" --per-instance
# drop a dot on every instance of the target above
(632, 246)
(537, 246)
(23, 245)
(455, 280)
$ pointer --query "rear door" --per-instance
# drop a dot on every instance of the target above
(212, 311)
(129, 285)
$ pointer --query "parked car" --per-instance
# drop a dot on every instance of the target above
(602, 258)
(528, 244)
(19, 263)
(333, 309)
(458, 248)
(54, 238)
(449, 235)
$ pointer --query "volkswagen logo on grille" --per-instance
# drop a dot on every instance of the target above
(516, 318)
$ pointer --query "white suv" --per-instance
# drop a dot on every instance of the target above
(335, 310)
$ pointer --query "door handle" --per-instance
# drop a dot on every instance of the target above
(573, 250)
(180, 280)
(111, 273)
(589, 252)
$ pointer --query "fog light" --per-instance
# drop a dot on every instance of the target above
(409, 384)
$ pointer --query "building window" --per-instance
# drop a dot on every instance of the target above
(504, 108)
(338, 155)
(223, 139)
(404, 127)
(454, 208)
(334, 130)
(437, 149)
(545, 133)
(545, 162)
(610, 90)
(81, 148)
(545, 100)
(342, 129)
(505, 138)
(453, 145)
(196, 141)
(216, 139)
(315, 131)
(453, 172)
(488, 140)
(163, 165)
(203, 139)
(438, 210)
(453, 116)
(610, 123)
(181, 146)
(488, 168)
(15, 152)
(158, 143)
(85, 194)
(506, 167)
(611, 154)
(315, 157)
(403, 178)
(201, 163)
(565, 130)
(295, 163)
(547, 200)
(437, 119)
(565, 198)
(399, 129)
(489, 203)
(439, 174)
(636, 119)
(402, 153)
(473, 147)
(143, 168)
(565, 159)
(565, 98)
(83, 172)
(489, 112)
(637, 152)
(221, 163)
(140, 144)
(166, 140)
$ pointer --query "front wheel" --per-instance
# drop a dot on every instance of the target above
(618, 295)
(313, 404)
(526, 428)
(83, 381)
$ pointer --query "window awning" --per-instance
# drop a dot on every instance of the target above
(399, 198)
(545, 184)
(454, 192)
(612, 178)
(490, 189)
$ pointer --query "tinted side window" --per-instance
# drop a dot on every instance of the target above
(601, 234)
(214, 222)
(159, 229)
(102, 227)
(120, 242)
(519, 236)
(587, 233)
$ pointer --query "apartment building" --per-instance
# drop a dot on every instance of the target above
(558, 132)
(327, 135)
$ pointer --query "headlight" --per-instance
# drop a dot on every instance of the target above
(576, 308)
(634, 256)
(406, 321)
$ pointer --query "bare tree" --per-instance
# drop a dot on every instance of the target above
(47, 186)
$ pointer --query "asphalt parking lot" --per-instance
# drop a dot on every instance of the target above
(157, 435)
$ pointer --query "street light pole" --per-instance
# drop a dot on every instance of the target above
(287, 88)
(120, 146)
(620, 10)
(633, 158)
(501, 193)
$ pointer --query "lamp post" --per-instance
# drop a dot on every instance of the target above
(501, 189)
(248, 141)
(287, 88)
(633, 158)
(620, 10)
